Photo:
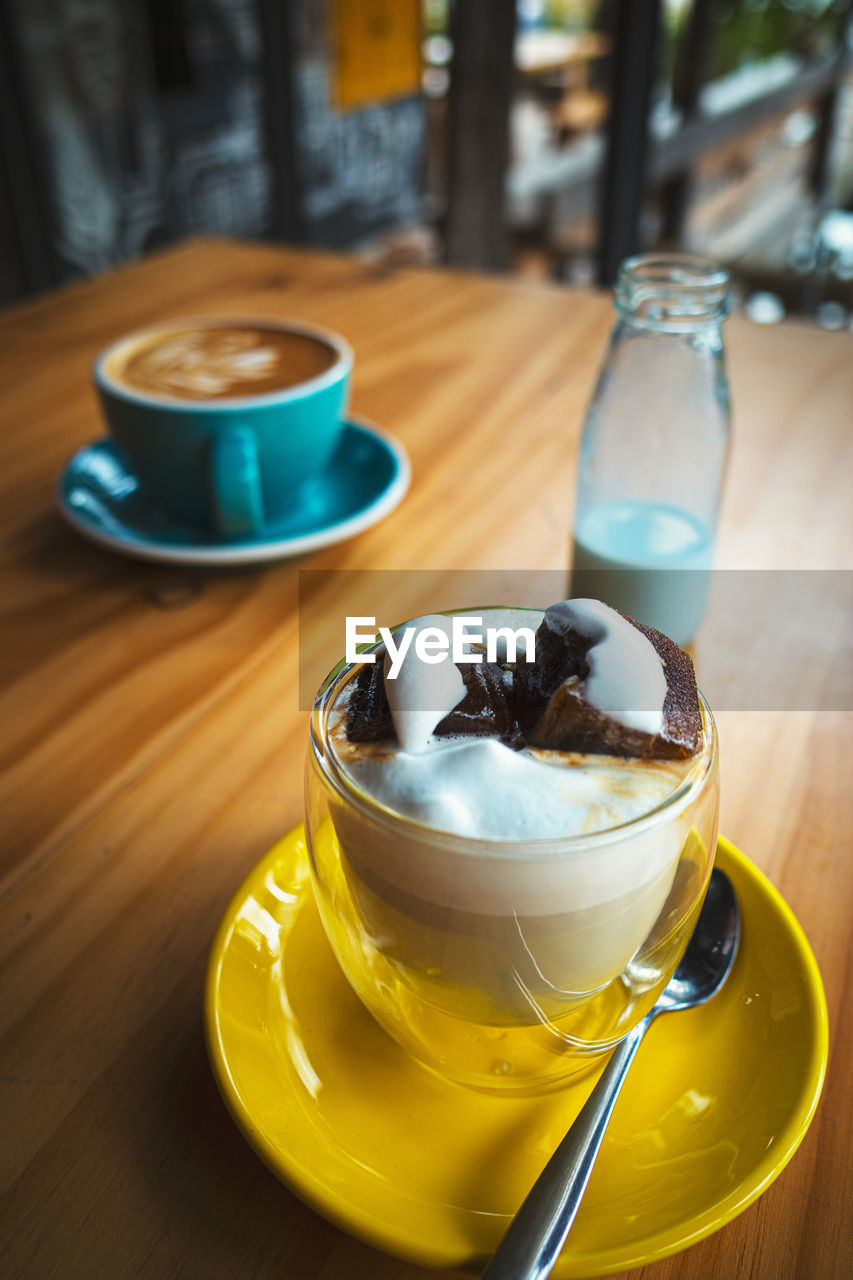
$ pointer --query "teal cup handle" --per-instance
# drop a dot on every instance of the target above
(235, 478)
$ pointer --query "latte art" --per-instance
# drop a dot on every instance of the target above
(219, 362)
(208, 366)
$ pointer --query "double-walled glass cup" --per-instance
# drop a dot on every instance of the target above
(505, 965)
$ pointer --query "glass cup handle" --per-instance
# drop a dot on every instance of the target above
(235, 475)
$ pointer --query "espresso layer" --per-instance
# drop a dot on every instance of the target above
(219, 362)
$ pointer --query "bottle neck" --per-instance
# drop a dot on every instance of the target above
(672, 293)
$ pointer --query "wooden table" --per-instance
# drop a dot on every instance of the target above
(152, 745)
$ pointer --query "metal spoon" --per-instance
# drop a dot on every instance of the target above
(538, 1231)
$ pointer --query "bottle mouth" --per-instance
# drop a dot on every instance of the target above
(673, 292)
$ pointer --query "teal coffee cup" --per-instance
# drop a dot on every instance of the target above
(224, 420)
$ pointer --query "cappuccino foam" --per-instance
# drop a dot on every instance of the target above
(218, 362)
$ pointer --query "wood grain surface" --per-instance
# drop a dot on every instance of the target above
(152, 742)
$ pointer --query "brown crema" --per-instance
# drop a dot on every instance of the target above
(218, 362)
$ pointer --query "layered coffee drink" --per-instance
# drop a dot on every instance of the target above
(218, 361)
(515, 845)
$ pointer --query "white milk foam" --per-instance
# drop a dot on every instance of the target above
(480, 787)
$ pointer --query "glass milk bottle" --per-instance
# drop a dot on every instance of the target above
(654, 446)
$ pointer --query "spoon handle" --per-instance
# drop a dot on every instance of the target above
(538, 1231)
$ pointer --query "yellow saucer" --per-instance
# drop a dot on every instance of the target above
(714, 1107)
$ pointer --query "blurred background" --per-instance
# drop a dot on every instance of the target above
(543, 137)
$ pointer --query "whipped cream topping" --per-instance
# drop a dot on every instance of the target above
(626, 679)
